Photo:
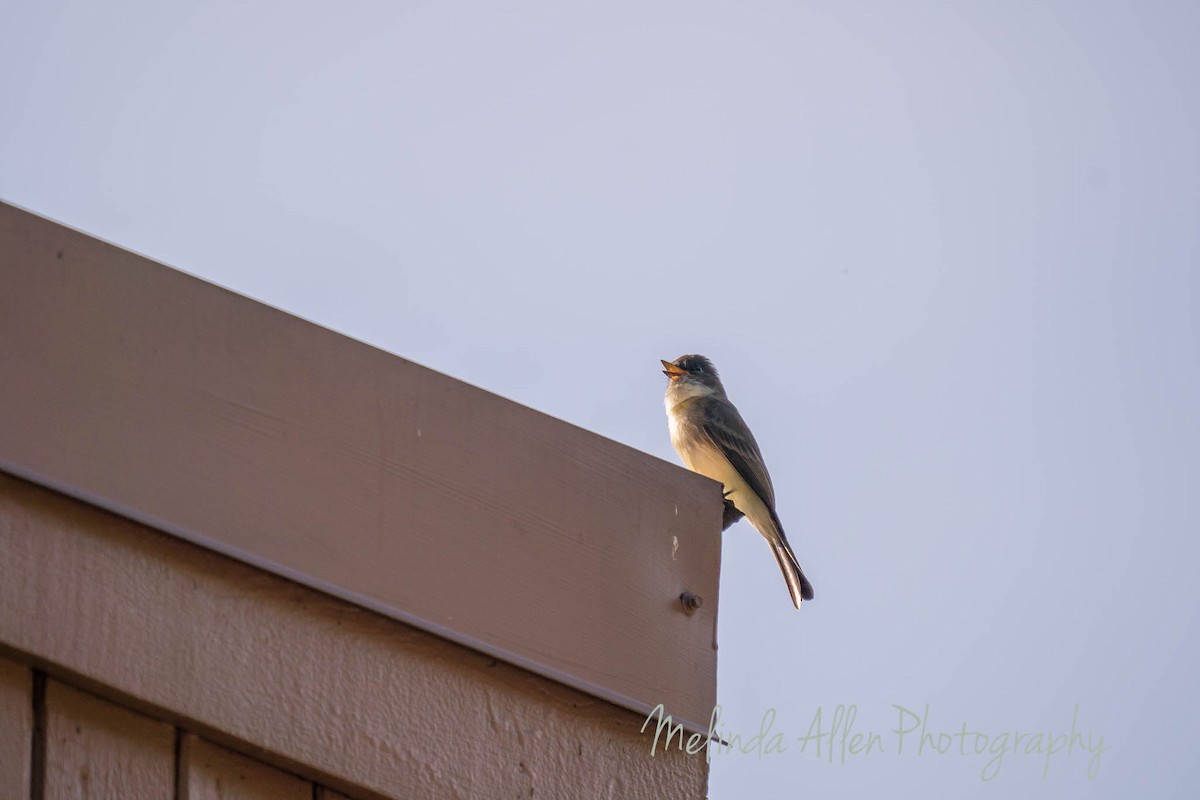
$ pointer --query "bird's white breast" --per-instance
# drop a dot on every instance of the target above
(702, 457)
(678, 393)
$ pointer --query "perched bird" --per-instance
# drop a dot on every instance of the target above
(712, 439)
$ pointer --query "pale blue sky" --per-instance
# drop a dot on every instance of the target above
(946, 255)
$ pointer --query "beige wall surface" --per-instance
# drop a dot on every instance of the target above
(304, 682)
(260, 435)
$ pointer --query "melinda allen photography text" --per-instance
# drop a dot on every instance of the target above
(833, 737)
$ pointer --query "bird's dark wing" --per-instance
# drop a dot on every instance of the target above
(724, 427)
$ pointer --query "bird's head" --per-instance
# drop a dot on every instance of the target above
(692, 374)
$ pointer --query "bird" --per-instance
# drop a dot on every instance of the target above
(712, 439)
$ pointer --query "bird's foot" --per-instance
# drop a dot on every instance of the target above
(731, 514)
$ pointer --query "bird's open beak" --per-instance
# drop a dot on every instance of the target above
(671, 371)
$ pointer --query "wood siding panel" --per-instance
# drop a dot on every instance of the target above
(95, 749)
(16, 728)
(214, 773)
(257, 434)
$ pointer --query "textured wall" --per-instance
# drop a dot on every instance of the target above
(299, 680)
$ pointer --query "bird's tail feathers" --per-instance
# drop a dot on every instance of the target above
(798, 585)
